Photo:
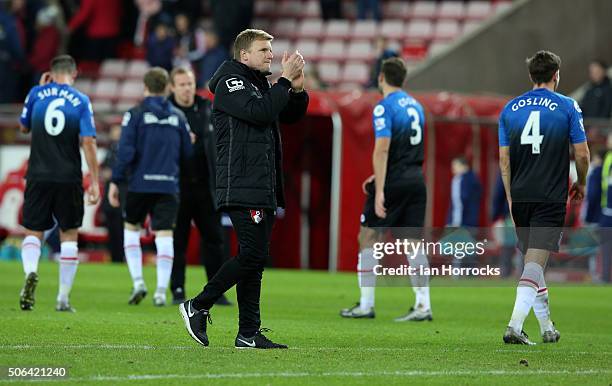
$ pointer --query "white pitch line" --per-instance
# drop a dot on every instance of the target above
(399, 373)
(105, 346)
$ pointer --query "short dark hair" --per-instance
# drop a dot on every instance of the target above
(394, 70)
(601, 63)
(180, 71)
(156, 80)
(63, 64)
(542, 66)
(462, 160)
(245, 39)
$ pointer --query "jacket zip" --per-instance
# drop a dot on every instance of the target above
(229, 163)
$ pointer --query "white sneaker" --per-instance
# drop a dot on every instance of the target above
(159, 300)
(138, 293)
(415, 315)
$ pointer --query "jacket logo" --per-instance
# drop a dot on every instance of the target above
(234, 84)
(150, 118)
(256, 215)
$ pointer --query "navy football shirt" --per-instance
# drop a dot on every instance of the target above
(538, 126)
(56, 115)
(400, 117)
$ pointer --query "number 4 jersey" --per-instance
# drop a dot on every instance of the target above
(400, 117)
(538, 126)
(56, 115)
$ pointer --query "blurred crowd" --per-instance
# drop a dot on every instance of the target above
(165, 32)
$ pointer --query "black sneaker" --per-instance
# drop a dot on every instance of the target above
(195, 322)
(222, 301)
(259, 340)
(511, 336)
(138, 293)
(178, 296)
(26, 300)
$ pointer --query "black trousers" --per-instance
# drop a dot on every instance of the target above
(245, 271)
(196, 204)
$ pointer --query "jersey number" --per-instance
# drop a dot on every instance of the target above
(417, 137)
(531, 133)
(55, 120)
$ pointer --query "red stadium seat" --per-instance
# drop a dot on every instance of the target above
(105, 89)
(446, 30)
(364, 29)
(337, 29)
(310, 28)
(309, 48)
(478, 9)
(265, 8)
(113, 68)
(284, 28)
(424, 10)
(356, 73)
(84, 85)
(289, 8)
(360, 50)
(311, 9)
(132, 90)
(392, 29)
(396, 10)
(419, 29)
(451, 10)
(137, 68)
(333, 49)
(329, 72)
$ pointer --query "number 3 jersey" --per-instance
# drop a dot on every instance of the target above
(538, 126)
(56, 115)
(400, 117)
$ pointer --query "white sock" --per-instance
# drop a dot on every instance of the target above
(420, 283)
(367, 279)
(541, 308)
(525, 294)
(165, 256)
(133, 255)
(69, 262)
(30, 254)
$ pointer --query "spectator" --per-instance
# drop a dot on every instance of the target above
(383, 51)
(11, 55)
(597, 101)
(503, 228)
(592, 203)
(148, 11)
(190, 43)
(47, 43)
(465, 195)
(365, 6)
(215, 55)
(113, 217)
(331, 9)
(230, 18)
(160, 47)
(605, 219)
(101, 21)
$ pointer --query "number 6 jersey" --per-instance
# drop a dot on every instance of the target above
(56, 115)
(538, 126)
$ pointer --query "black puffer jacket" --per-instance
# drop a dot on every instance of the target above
(246, 113)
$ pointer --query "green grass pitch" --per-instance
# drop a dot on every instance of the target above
(107, 341)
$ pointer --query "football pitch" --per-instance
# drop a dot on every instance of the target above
(107, 341)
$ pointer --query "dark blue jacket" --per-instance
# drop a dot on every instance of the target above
(500, 202)
(465, 200)
(593, 196)
(154, 140)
